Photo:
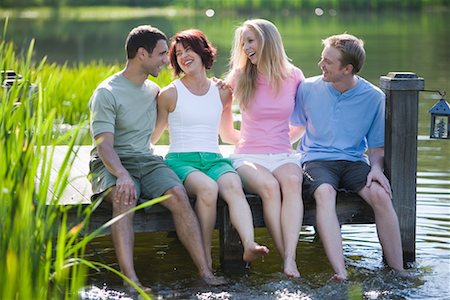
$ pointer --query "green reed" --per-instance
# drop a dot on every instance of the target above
(27, 225)
(41, 256)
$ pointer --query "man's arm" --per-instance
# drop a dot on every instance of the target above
(125, 189)
(296, 132)
(376, 158)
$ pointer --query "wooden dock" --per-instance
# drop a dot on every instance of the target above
(400, 167)
(351, 209)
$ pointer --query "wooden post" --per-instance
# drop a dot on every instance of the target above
(231, 249)
(402, 103)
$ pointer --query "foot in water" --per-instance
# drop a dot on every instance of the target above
(290, 268)
(131, 289)
(338, 277)
(405, 274)
(213, 280)
(254, 251)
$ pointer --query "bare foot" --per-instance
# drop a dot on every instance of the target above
(290, 269)
(338, 277)
(132, 289)
(213, 280)
(254, 251)
(402, 274)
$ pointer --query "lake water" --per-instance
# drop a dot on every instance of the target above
(400, 41)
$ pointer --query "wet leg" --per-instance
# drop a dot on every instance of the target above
(329, 229)
(386, 220)
(259, 180)
(230, 188)
(189, 233)
(290, 178)
(205, 190)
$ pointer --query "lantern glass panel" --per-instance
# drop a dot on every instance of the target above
(440, 127)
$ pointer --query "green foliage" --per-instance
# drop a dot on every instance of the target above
(69, 88)
(41, 255)
(32, 245)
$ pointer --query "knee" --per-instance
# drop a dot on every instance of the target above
(292, 182)
(379, 198)
(231, 185)
(207, 195)
(118, 206)
(325, 194)
(178, 197)
(269, 188)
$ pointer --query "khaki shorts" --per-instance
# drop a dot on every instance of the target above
(150, 174)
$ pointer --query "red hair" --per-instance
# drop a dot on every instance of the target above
(198, 42)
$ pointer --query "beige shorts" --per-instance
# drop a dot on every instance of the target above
(150, 174)
(268, 161)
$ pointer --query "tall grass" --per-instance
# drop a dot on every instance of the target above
(32, 260)
(40, 256)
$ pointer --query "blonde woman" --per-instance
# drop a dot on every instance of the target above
(264, 84)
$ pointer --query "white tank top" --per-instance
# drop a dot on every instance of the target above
(194, 123)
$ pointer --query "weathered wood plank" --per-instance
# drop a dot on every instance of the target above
(78, 189)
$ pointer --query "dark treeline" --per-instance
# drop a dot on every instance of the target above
(239, 5)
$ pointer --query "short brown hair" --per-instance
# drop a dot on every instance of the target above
(144, 36)
(198, 42)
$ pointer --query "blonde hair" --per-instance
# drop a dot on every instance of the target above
(272, 60)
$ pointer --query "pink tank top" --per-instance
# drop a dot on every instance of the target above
(265, 122)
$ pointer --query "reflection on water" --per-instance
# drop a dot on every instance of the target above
(173, 277)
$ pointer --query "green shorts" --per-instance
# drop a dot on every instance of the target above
(150, 174)
(212, 164)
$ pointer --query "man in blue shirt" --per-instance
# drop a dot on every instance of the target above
(342, 116)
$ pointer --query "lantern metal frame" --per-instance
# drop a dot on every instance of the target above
(440, 118)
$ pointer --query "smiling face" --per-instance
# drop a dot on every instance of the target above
(153, 62)
(330, 64)
(250, 45)
(190, 49)
(187, 59)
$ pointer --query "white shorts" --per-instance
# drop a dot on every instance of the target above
(268, 161)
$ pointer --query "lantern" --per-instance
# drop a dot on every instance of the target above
(440, 120)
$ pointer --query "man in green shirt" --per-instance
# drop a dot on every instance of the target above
(123, 166)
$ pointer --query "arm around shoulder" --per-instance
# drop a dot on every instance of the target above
(228, 133)
(296, 133)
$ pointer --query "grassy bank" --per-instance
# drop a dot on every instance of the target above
(123, 9)
(41, 256)
(98, 13)
(67, 89)
(34, 238)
